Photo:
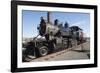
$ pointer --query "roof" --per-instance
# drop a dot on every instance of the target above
(75, 28)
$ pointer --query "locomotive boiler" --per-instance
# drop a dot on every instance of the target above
(56, 37)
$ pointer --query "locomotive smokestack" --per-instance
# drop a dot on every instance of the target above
(48, 17)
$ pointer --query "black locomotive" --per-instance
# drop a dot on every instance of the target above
(56, 37)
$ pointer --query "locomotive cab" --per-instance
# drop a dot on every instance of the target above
(77, 33)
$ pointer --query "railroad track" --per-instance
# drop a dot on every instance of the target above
(55, 54)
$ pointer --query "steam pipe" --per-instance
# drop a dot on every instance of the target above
(48, 17)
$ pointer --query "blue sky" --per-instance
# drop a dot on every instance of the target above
(31, 19)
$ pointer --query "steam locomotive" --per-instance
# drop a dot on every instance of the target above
(56, 37)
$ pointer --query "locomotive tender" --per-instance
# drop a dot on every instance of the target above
(56, 37)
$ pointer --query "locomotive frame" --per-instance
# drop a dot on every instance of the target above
(14, 35)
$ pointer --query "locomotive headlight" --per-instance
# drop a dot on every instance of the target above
(42, 29)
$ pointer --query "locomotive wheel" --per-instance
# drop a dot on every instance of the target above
(42, 51)
(74, 42)
(52, 47)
